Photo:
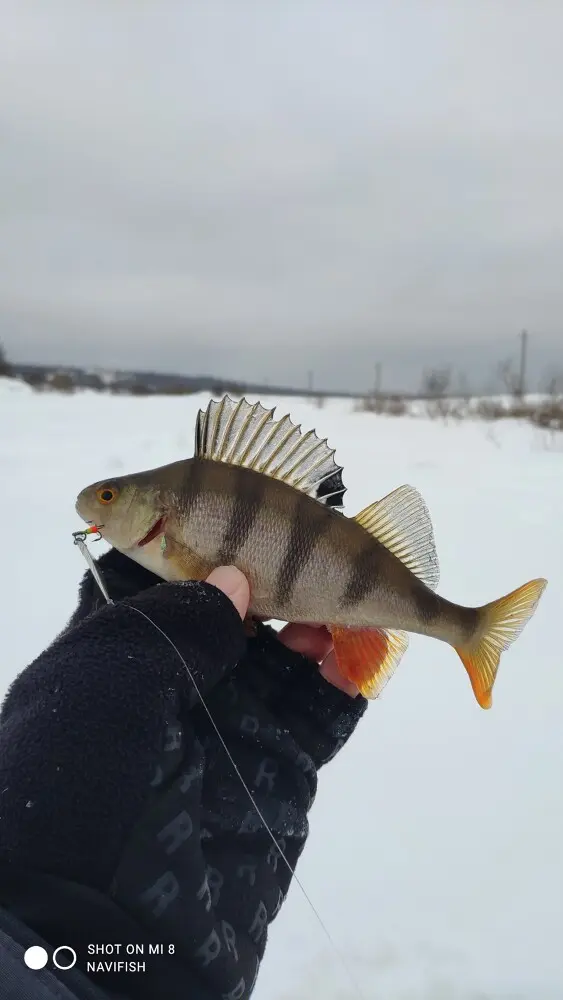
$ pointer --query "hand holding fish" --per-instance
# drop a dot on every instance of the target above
(314, 642)
(123, 818)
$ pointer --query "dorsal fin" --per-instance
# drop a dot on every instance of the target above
(247, 435)
(401, 522)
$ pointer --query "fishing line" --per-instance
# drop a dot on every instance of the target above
(79, 540)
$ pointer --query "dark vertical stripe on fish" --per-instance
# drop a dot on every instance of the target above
(249, 488)
(431, 607)
(192, 486)
(306, 532)
(363, 576)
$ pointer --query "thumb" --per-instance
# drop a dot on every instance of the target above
(234, 585)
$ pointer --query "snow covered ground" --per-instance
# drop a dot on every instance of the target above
(436, 848)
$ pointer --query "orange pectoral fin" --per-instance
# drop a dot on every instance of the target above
(368, 657)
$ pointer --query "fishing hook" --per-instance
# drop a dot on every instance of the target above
(80, 536)
(80, 540)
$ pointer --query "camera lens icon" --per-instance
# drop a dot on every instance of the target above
(37, 957)
(64, 957)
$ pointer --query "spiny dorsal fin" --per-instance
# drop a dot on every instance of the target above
(247, 435)
(401, 522)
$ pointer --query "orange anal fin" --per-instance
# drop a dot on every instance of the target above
(368, 657)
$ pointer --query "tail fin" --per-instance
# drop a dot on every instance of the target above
(500, 624)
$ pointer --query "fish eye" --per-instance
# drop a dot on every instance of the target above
(106, 494)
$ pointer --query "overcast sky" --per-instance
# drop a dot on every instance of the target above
(263, 188)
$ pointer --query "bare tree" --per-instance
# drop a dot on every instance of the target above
(5, 366)
(435, 385)
(436, 382)
(464, 387)
(509, 378)
(35, 379)
(62, 382)
(554, 385)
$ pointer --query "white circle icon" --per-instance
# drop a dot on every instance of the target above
(67, 961)
(36, 957)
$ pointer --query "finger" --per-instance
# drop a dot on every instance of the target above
(329, 670)
(234, 585)
(311, 640)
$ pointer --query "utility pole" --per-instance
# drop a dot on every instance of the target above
(523, 361)
(377, 384)
(310, 380)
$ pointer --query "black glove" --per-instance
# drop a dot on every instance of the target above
(123, 820)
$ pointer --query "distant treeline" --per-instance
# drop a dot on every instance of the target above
(436, 383)
(436, 395)
(67, 378)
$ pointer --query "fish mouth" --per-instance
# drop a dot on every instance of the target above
(156, 530)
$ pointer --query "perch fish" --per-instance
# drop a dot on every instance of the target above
(255, 496)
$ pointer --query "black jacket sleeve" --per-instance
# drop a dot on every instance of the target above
(124, 821)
